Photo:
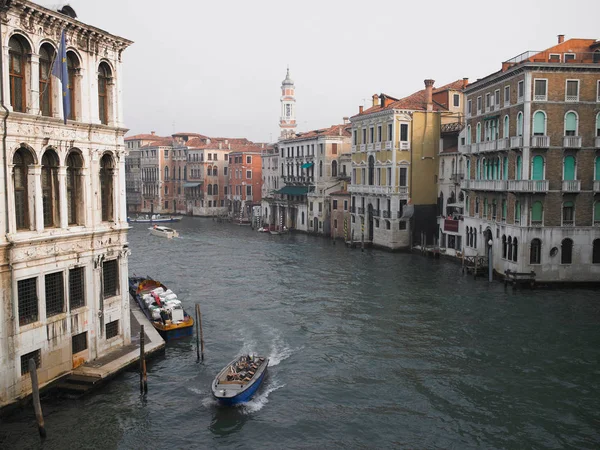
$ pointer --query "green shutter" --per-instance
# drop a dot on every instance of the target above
(478, 135)
(536, 211)
(506, 129)
(597, 212)
(504, 208)
(517, 211)
(520, 124)
(597, 177)
(571, 122)
(538, 123)
(538, 168)
(518, 174)
(468, 174)
(505, 168)
(569, 168)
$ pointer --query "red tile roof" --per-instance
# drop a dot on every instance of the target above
(143, 137)
(334, 130)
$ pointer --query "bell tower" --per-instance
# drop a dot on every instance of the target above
(287, 121)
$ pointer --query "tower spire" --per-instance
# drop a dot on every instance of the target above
(287, 121)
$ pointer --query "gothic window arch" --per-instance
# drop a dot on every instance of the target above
(107, 167)
(520, 124)
(166, 173)
(18, 50)
(334, 167)
(515, 250)
(50, 193)
(104, 92)
(566, 253)
(571, 123)
(47, 55)
(209, 189)
(539, 123)
(504, 249)
(535, 253)
(75, 199)
(509, 244)
(22, 159)
(215, 171)
(73, 69)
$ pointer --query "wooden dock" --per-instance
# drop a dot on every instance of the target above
(476, 265)
(519, 278)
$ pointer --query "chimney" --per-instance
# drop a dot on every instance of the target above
(561, 38)
(465, 82)
(429, 94)
(375, 100)
(152, 133)
(220, 145)
(346, 120)
(360, 109)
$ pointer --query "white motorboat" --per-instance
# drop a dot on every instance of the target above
(159, 230)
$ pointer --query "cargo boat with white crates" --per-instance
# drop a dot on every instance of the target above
(162, 308)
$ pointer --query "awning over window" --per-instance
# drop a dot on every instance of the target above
(293, 190)
(307, 165)
(190, 185)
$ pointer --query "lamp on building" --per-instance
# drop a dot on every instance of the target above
(490, 262)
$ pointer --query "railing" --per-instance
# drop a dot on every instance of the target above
(571, 185)
(464, 148)
(363, 147)
(540, 141)
(403, 191)
(369, 147)
(404, 145)
(484, 185)
(537, 223)
(366, 189)
(376, 213)
(568, 223)
(353, 209)
(377, 146)
(456, 177)
(488, 146)
(388, 145)
(572, 142)
(528, 185)
(516, 142)
(354, 148)
(502, 144)
(361, 210)
(597, 186)
(387, 214)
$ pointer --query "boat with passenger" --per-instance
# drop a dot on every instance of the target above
(154, 218)
(240, 379)
(162, 231)
(162, 308)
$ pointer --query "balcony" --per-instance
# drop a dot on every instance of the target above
(528, 186)
(572, 142)
(597, 186)
(484, 185)
(488, 146)
(366, 189)
(457, 177)
(363, 148)
(464, 149)
(376, 213)
(571, 185)
(369, 147)
(354, 148)
(388, 145)
(568, 223)
(502, 144)
(377, 146)
(353, 209)
(404, 145)
(540, 141)
(387, 214)
(516, 142)
(361, 210)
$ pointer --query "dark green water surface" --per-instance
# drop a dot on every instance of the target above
(368, 350)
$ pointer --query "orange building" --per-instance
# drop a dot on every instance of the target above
(245, 181)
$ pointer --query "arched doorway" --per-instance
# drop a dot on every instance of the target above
(370, 221)
(316, 224)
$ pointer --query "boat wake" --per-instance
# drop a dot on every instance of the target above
(259, 401)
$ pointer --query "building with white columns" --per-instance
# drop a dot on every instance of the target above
(63, 241)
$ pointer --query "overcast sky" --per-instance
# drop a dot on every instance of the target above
(216, 67)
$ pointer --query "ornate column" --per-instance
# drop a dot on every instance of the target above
(62, 195)
(33, 102)
(84, 200)
(12, 222)
(34, 179)
(120, 189)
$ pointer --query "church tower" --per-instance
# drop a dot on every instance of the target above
(287, 122)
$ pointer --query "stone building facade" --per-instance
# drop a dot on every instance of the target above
(63, 246)
(532, 154)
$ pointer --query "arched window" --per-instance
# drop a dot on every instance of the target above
(104, 81)
(371, 173)
(476, 205)
(597, 213)
(215, 171)
(467, 236)
(569, 168)
(75, 201)
(535, 253)
(209, 189)
(468, 169)
(468, 134)
(571, 122)
(510, 248)
(515, 250)
(537, 213)
(517, 212)
(440, 205)
(467, 205)
(166, 173)
(518, 169)
(179, 173)
(596, 252)
(475, 239)
(106, 187)
(50, 195)
(520, 124)
(485, 208)
(478, 171)
(504, 249)
(566, 251)
(73, 69)
(598, 124)
(506, 127)
(334, 168)
(539, 123)
(478, 133)
(505, 168)
(46, 58)
(21, 160)
(537, 172)
(215, 189)
(568, 213)
(18, 67)
(320, 168)
(185, 173)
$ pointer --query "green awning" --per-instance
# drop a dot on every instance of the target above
(293, 190)
(307, 165)
(190, 185)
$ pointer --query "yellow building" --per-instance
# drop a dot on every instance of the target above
(395, 146)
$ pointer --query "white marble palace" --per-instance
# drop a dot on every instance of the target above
(63, 245)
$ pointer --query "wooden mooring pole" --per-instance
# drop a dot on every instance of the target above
(35, 393)
(199, 333)
(143, 374)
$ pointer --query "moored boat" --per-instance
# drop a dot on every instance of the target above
(162, 231)
(240, 379)
(162, 308)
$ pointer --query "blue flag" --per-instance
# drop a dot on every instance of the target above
(59, 70)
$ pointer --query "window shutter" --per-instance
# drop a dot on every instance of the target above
(569, 168)
(571, 122)
(536, 211)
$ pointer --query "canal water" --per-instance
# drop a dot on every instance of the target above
(367, 350)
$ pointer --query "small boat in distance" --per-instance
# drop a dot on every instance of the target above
(240, 379)
(162, 308)
(147, 218)
(162, 231)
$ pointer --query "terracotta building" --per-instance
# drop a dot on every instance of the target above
(245, 182)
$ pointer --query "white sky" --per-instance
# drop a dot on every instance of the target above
(215, 67)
